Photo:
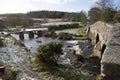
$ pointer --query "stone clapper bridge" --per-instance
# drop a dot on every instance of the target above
(30, 32)
(106, 40)
(43, 29)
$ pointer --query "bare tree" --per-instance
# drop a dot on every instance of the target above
(102, 4)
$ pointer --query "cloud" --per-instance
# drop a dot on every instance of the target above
(15, 6)
(18, 6)
(94, 0)
(55, 1)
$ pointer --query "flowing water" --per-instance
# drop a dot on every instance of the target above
(32, 44)
(68, 46)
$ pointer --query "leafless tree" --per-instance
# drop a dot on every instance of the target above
(102, 4)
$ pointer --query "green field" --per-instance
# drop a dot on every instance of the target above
(78, 31)
(81, 32)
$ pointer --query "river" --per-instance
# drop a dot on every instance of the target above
(68, 46)
(32, 44)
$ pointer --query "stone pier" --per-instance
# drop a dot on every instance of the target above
(31, 34)
(21, 35)
(39, 33)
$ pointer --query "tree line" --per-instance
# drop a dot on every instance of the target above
(105, 11)
(46, 14)
(69, 16)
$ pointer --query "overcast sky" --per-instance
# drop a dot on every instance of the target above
(23, 6)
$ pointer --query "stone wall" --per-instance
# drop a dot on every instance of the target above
(106, 41)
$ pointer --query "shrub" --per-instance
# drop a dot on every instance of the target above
(45, 34)
(62, 27)
(48, 54)
(64, 36)
(53, 34)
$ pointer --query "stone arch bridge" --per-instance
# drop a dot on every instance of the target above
(106, 40)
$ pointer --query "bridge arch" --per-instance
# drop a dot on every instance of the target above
(97, 39)
(103, 48)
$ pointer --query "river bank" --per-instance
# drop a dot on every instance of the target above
(15, 56)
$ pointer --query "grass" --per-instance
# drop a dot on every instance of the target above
(68, 73)
(83, 37)
(80, 32)
(76, 31)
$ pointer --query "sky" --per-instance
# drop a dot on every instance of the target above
(24, 6)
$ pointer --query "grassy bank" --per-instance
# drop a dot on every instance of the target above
(74, 30)
(80, 33)
(68, 73)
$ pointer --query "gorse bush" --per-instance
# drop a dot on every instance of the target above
(53, 34)
(48, 54)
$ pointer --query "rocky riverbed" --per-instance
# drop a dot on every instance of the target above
(15, 56)
(18, 57)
